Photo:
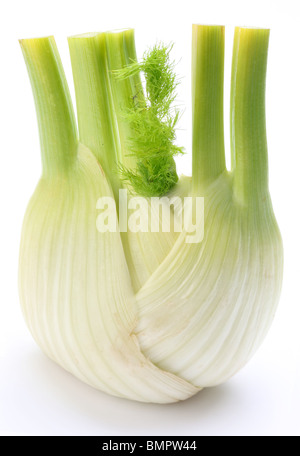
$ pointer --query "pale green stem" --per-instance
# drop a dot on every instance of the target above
(96, 120)
(248, 124)
(207, 104)
(56, 120)
(126, 92)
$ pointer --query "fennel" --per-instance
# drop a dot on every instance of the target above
(147, 315)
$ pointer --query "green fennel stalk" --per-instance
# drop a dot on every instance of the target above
(55, 115)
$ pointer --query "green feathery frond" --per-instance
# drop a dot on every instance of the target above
(153, 120)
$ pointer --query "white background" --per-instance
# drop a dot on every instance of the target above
(36, 396)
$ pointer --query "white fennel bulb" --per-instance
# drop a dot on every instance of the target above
(144, 314)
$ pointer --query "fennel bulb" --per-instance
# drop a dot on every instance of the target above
(148, 315)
